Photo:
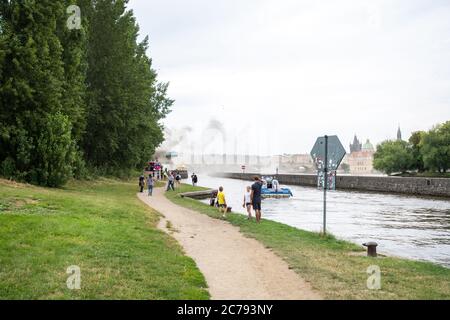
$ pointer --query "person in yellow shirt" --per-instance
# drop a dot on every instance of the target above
(222, 202)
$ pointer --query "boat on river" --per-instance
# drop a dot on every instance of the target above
(272, 189)
(277, 194)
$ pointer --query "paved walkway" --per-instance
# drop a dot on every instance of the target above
(235, 267)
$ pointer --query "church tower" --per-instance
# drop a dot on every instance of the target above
(399, 134)
(356, 146)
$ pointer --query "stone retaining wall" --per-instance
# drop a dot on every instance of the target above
(439, 187)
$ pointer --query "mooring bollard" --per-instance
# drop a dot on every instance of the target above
(371, 248)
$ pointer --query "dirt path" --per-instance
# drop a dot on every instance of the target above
(234, 266)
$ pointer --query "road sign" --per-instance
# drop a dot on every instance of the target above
(336, 153)
(327, 154)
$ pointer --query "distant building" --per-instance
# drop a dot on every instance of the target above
(361, 162)
(356, 146)
(293, 163)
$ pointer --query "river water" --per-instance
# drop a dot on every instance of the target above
(404, 226)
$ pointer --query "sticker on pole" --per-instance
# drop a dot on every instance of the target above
(331, 182)
(336, 153)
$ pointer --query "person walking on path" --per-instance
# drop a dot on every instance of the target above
(150, 185)
(248, 202)
(222, 202)
(141, 183)
(194, 180)
(171, 183)
(256, 198)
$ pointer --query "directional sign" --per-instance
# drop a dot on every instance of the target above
(336, 153)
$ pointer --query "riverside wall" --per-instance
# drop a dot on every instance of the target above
(420, 186)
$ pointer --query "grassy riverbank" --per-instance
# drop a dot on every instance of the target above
(336, 268)
(424, 175)
(102, 228)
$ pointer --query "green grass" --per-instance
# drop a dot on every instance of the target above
(425, 175)
(99, 226)
(337, 269)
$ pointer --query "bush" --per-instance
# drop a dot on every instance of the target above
(55, 154)
(8, 168)
(80, 171)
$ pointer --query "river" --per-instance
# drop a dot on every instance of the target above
(403, 226)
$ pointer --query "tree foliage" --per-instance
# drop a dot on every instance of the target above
(416, 145)
(75, 96)
(435, 148)
(126, 101)
(425, 151)
(31, 87)
(393, 156)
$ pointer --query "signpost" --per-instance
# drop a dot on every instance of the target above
(327, 154)
(243, 169)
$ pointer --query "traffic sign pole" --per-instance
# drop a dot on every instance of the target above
(325, 187)
(327, 154)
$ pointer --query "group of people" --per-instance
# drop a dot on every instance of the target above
(154, 168)
(173, 178)
(252, 195)
(252, 200)
(149, 182)
(271, 183)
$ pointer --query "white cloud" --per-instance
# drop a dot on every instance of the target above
(292, 70)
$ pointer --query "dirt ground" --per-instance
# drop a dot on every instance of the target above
(235, 267)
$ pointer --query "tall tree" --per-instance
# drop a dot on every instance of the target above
(68, 94)
(435, 148)
(416, 145)
(74, 43)
(125, 100)
(31, 91)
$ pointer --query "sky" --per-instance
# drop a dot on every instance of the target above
(273, 75)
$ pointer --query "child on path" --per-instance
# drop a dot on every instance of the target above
(222, 202)
(248, 202)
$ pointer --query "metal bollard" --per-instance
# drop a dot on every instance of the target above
(371, 248)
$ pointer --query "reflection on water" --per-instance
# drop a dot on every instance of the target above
(409, 227)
